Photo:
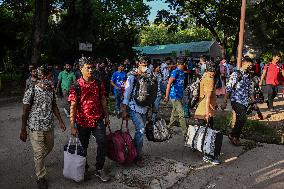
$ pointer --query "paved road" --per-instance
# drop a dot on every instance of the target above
(169, 164)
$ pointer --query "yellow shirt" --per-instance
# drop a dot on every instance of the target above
(206, 86)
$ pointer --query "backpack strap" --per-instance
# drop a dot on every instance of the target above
(77, 89)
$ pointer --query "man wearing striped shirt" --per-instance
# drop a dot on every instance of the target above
(241, 93)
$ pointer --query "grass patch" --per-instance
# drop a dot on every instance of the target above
(253, 129)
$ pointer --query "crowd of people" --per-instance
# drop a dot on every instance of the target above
(84, 90)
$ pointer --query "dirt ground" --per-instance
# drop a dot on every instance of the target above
(168, 164)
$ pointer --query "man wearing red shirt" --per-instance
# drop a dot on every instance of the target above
(89, 111)
(272, 71)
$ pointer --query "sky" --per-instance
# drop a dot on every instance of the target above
(156, 5)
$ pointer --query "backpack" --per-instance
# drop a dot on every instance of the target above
(192, 93)
(146, 90)
(120, 146)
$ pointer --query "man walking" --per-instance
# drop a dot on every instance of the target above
(39, 105)
(175, 89)
(137, 113)
(272, 71)
(32, 80)
(117, 81)
(65, 79)
(241, 92)
(89, 111)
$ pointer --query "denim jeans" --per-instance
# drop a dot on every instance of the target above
(99, 132)
(272, 93)
(139, 121)
(156, 108)
(118, 101)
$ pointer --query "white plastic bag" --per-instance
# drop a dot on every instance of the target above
(74, 163)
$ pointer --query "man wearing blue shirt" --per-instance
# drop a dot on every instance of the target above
(117, 81)
(175, 90)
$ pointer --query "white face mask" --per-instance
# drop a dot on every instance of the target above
(144, 69)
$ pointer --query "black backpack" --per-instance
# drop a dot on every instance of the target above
(146, 90)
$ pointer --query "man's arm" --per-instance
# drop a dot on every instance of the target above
(207, 108)
(73, 107)
(25, 115)
(262, 76)
(171, 80)
(114, 85)
(105, 109)
(58, 116)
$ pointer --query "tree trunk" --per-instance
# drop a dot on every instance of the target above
(40, 24)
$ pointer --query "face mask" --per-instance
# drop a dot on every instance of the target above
(144, 69)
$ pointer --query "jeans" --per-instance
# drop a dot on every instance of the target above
(42, 144)
(118, 101)
(272, 93)
(178, 115)
(241, 118)
(99, 132)
(139, 121)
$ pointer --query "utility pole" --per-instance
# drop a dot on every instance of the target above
(241, 34)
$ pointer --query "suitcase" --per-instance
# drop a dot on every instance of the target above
(204, 139)
(120, 146)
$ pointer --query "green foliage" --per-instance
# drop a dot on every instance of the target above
(253, 130)
(266, 24)
(110, 25)
(161, 34)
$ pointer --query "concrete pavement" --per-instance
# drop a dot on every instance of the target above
(168, 164)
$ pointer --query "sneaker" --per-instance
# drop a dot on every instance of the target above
(235, 141)
(66, 112)
(42, 183)
(102, 175)
(139, 161)
(215, 162)
(207, 159)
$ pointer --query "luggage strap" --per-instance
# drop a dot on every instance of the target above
(204, 135)
(192, 145)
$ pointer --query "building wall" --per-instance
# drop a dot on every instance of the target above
(215, 50)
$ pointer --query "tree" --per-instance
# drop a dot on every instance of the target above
(221, 18)
(265, 22)
(161, 34)
(42, 8)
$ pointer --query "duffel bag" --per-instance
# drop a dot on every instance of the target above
(157, 132)
(204, 139)
(120, 146)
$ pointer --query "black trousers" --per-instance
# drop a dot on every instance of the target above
(241, 118)
(271, 94)
(99, 132)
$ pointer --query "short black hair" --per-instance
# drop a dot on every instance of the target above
(211, 66)
(202, 57)
(144, 59)
(181, 61)
(276, 53)
(85, 60)
(247, 59)
(44, 70)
